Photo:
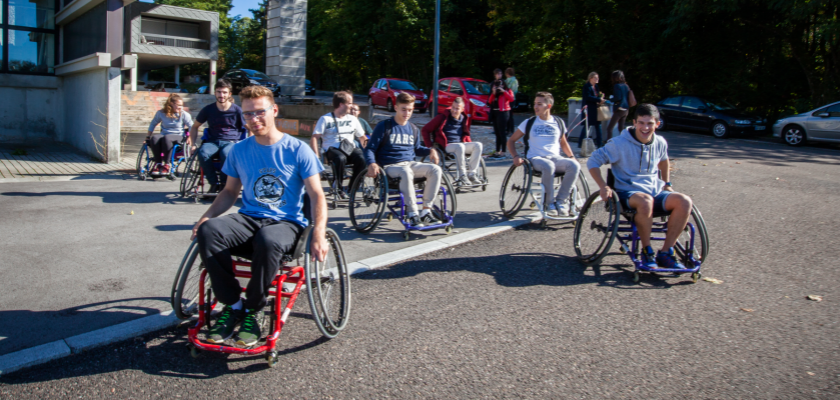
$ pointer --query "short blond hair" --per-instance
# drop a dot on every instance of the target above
(254, 92)
(405, 98)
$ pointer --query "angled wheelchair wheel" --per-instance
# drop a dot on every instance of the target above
(482, 174)
(596, 228)
(368, 198)
(701, 237)
(177, 163)
(448, 203)
(580, 195)
(144, 160)
(515, 189)
(328, 287)
(189, 178)
(185, 289)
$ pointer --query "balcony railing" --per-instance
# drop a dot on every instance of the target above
(175, 41)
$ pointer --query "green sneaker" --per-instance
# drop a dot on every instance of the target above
(224, 326)
(249, 331)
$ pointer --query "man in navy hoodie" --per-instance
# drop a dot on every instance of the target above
(392, 147)
(637, 157)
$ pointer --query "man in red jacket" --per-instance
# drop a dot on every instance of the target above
(451, 130)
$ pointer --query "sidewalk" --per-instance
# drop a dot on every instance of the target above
(54, 162)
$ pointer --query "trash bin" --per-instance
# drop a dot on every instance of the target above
(575, 104)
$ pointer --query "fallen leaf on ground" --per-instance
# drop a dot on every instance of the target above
(705, 165)
(713, 280)
(131, 213)
(747, 309)
(811, 373)
(737, 162)
(777, 179)
(724, 180)
(814, 297)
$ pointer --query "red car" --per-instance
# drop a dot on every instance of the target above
(474, 91)
(384, 93)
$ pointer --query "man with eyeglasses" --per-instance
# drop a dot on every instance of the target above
(224, 128)
(272, 169)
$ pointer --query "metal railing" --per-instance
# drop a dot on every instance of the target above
(175, 41)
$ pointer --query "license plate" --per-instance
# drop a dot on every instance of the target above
(418, 102)
(760, 128)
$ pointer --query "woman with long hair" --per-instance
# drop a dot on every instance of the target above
(592, 99)
(173, 122)
(500, 98)
(621, 104)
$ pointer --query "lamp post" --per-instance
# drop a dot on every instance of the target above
(437, 59)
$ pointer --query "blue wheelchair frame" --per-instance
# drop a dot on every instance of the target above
(195, 174)
(176, 158)
(397, 207)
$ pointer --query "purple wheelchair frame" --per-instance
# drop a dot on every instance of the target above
(627, 232)
(397, 208)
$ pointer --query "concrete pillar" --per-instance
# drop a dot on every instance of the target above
(177, 74)
(133, 72)
(212, 89)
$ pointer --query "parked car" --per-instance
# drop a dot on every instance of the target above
(169, 87)
(309, 90)
(820, 125)
(202, 90)
(475, 92)
(522, 103)
(240, 78)
(384, 93)
(707, 114)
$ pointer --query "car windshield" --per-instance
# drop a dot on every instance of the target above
(718, 104)
(402, 85)
(255, 74)
(477, 87)
(308, 82)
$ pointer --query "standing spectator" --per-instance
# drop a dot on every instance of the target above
(355, 111)
(513, 84)
(173, 121)
(592, 98)
(500, 98)
(621, 103)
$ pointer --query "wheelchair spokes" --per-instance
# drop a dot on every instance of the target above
(596, 228)
(515, 188)
(367, 201)
(329, 289)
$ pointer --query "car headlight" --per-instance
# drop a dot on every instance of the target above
(478, 102)
(742, 121)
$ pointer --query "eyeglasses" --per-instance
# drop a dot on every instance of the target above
(255, 114)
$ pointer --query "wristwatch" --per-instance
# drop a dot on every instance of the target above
(667, 183)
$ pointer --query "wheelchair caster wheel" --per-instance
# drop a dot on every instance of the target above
(390, 217)
(449, 229)
(194, 352)
(484, 188)
(142, 177)
(406, 236)
(333, 205)
(696, 277)
(271, 358)
(543, 224)
(532, 205)
(636, 277)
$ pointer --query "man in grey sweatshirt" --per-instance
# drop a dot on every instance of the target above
(638, 157)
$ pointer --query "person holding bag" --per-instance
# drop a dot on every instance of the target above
(622, 96)
(339, 129)
(592, 99)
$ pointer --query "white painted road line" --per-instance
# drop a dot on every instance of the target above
(141, 326)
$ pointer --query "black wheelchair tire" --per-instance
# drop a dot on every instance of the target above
(382, 187)
(610, 232)
(185, 295)
(512, 209)
(701, 237)
(452, 201)
(190, 175)
(321, 294)
(142, 160)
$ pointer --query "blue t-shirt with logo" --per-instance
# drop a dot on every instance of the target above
(272, 177)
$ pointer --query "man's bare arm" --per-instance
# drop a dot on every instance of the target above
(319, 246)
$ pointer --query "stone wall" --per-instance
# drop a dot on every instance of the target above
(92, 113)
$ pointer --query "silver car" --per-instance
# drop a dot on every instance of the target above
(820, 125)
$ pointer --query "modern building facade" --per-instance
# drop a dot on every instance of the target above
(65, 62)
(286, 45)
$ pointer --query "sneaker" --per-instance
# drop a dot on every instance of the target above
(224, 326)
(155, 170)
(342, 194)
(461, 181)
(429, 219)
(164, 170)
(415, 222)
(552, 210)
(249, 330)
(562, 208)
(213, 189)
(649, 258)
(666, 259)
(474, 179)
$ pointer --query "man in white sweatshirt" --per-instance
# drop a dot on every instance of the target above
(637, 157)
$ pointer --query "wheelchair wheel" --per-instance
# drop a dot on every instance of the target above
(328, 287)
(515, 189)
(451, 199)
(596, 228)
(701, 238)
(143, 162)
(189, 178)
(185, 295)
(576, 203)
(482, 174)
(368, 198)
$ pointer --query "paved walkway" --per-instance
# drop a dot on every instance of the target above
(23, 163)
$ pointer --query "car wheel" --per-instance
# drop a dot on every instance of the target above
(390, 105)
(720, 130)
(662, 125)
(794, 135)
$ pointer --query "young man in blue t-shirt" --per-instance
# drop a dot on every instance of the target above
(637, 157)
(272, 169)
(395, 154)
(224, 128)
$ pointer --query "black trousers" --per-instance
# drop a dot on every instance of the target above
(339, 162)
(163, 144)
(510, 125)
(500, 123)
(263, 240)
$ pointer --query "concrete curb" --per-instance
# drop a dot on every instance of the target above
(61, 348)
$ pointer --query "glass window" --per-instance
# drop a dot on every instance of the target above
(456, 88)
(31, 52)
(477, 87)
(32, 13)
(693, 103)
(671, 101)
(834, 111)
(443, 86)
(402, 85)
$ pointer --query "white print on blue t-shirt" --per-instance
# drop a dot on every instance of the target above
(402, 138)
(268, 189)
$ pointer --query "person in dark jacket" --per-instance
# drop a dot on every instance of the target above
(621, 103)
(592, 98)
(500, 100)
(451, 130)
